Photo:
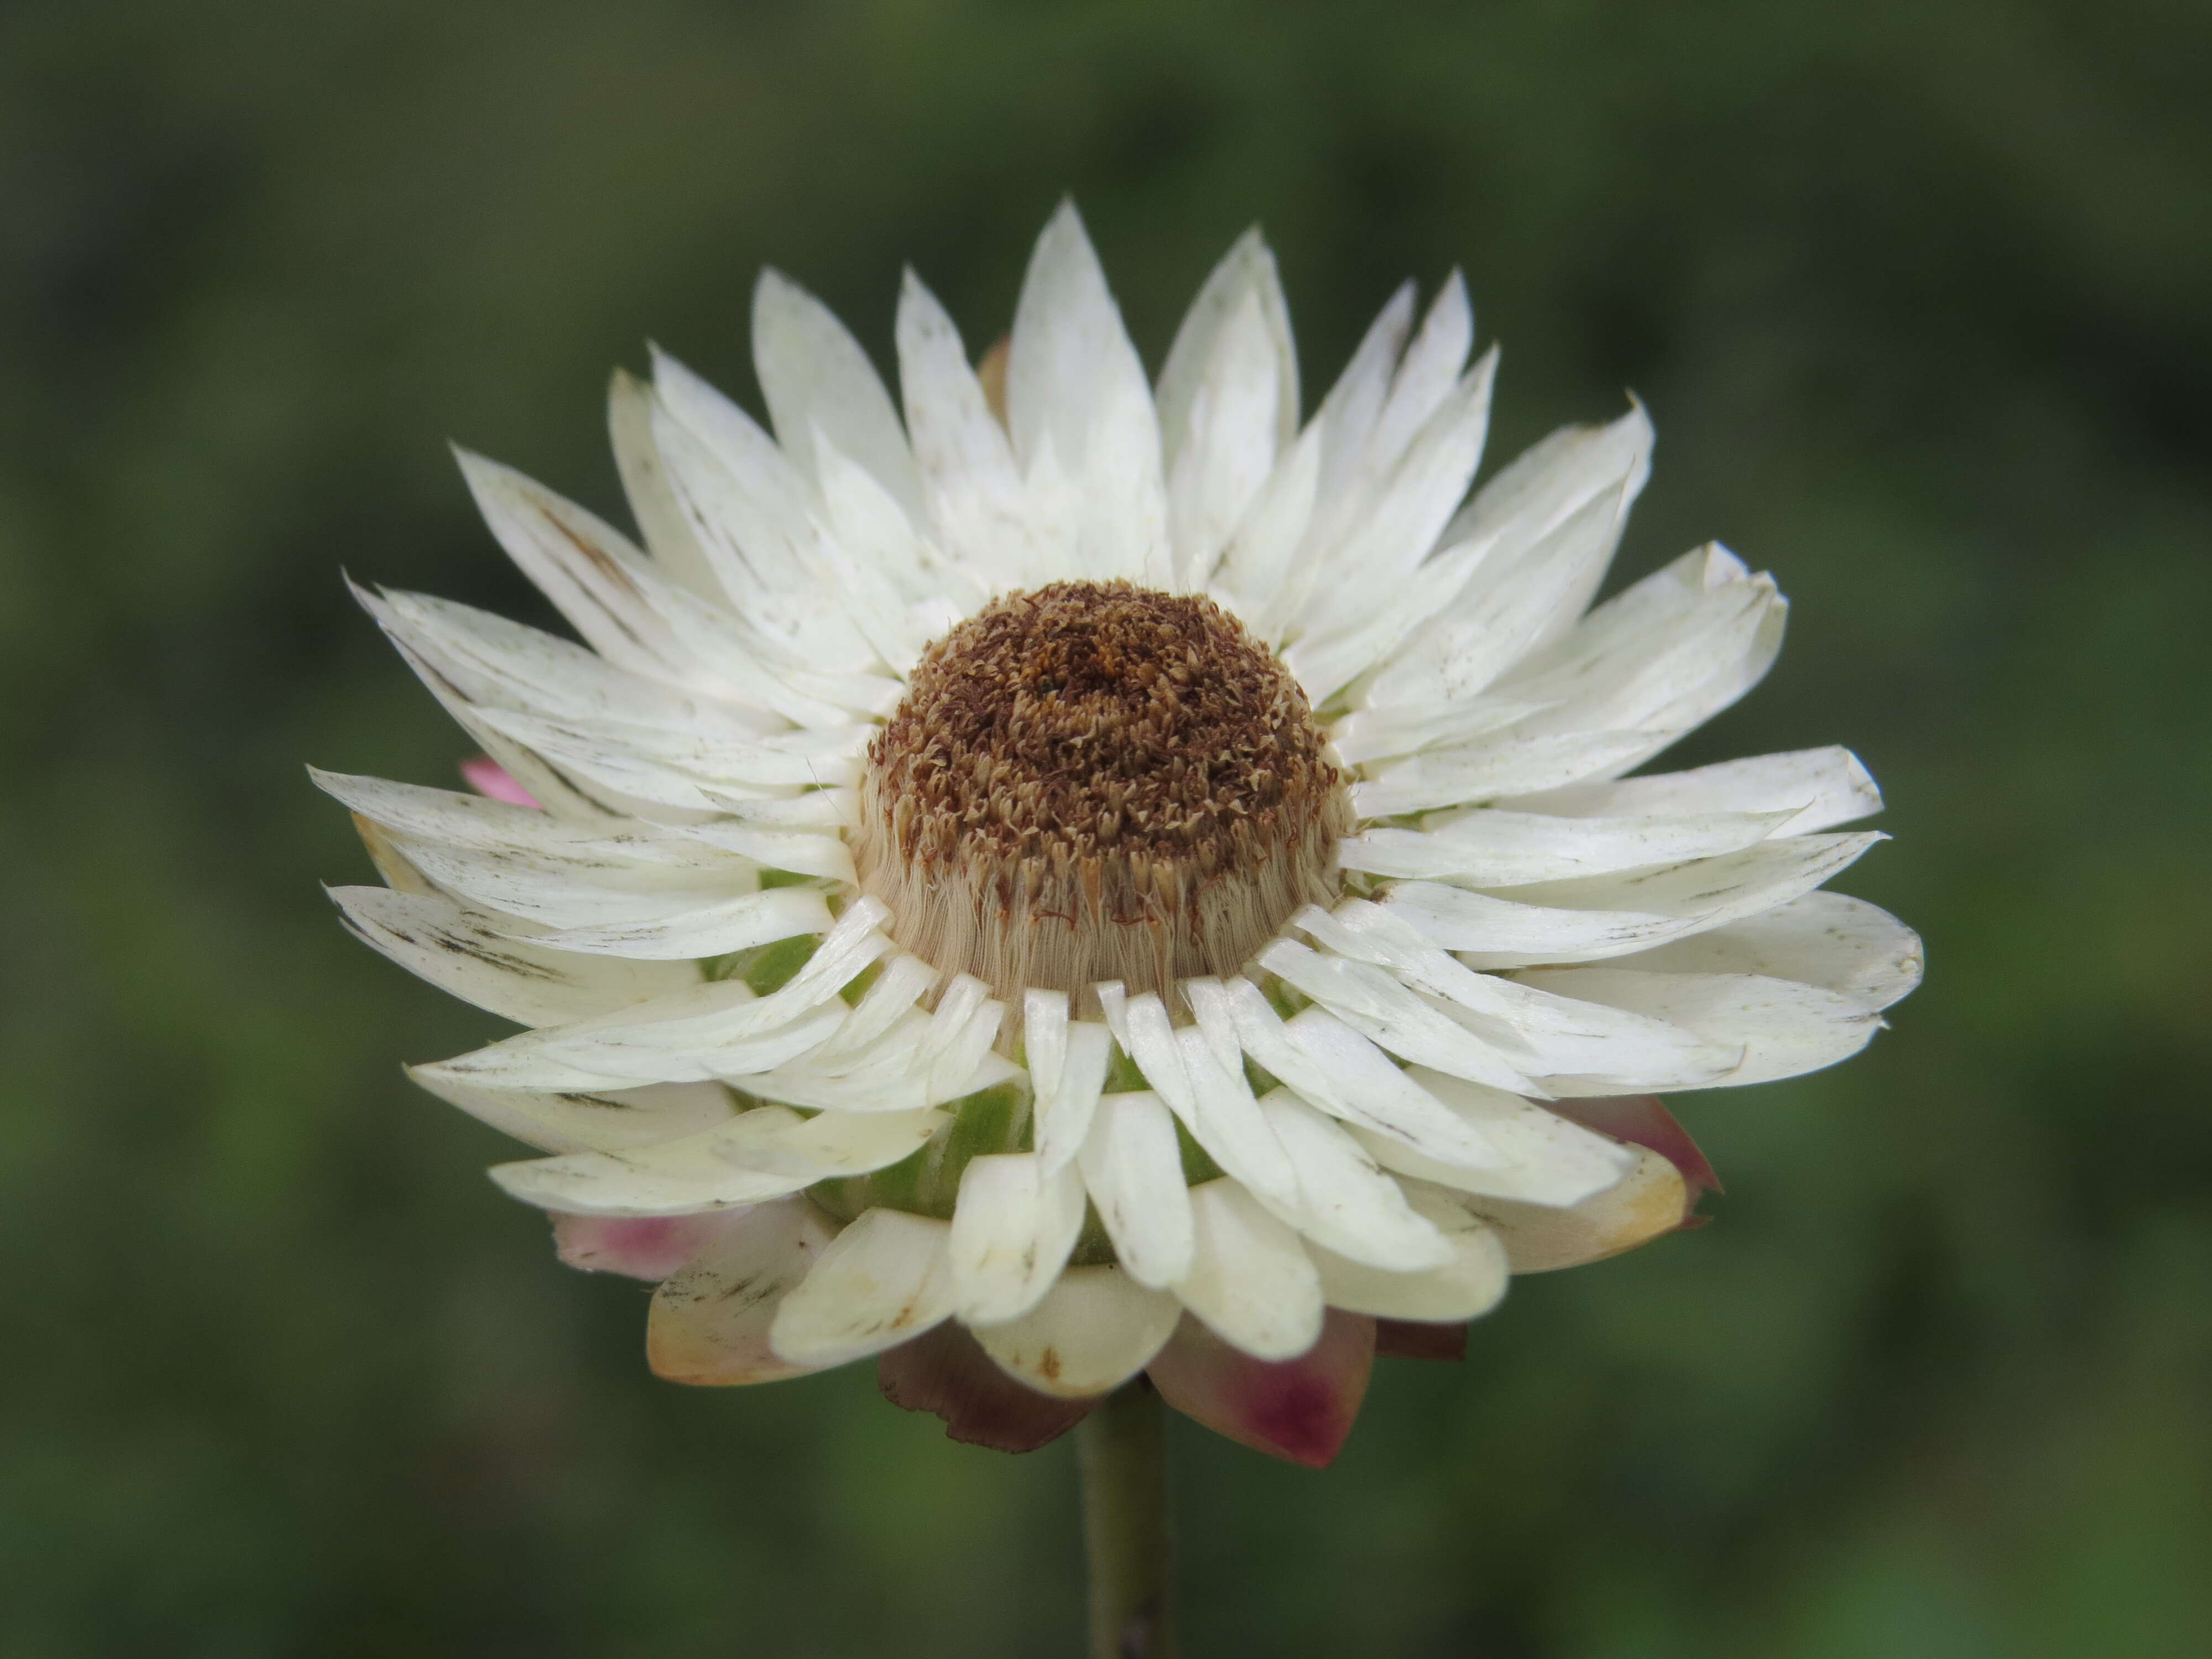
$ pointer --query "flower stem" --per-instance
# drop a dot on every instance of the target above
(1122, 1449)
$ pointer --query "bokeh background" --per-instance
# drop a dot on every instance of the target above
(1921, 297)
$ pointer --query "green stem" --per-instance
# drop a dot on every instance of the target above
(1121, 1450)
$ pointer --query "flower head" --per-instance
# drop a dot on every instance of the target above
(1091, 878)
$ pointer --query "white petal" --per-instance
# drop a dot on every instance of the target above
(884, 1280)
(1375, 590)
(584, 1120)
(749, 509)
(1822, 787)
(1785, 1028)
(682, 1177)
(1013, 1229)
(579, 885)
(816, 380)
(1498, 620)
(1227, 1122)
(1132, 1169)
(1338, 1070)
(653, 501)
(1467, 1286)
(977, 497)
(1246, 273)
(1384, 1010)
(1075, 388)
(1373, 734)
(1714, 890)
(722, 1014)
(710, 930)
(1095, 1329)
(793, 850)
(1541, 489)
(1367, 1089)
(585, 566)
(1230, 450)
(1493, 932)
(1548, 1159)
(1570, 1047)
(1487, 847)
(1344, 1201)
(1250, 1280)
(1064, 1117)
(466, 953)
(1253, 575)
(504, 664)
(1842, 944)
(1348, 415)
(1426, 375)
(1504, 766)
(710, 1320)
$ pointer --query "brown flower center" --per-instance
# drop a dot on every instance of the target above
(1095, 782)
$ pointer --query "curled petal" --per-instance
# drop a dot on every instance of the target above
(487, 777)
(1643, 1121)
(642, 1247)
(1650, 1199)
(709, 1323)
(1300, 1410)
(947, 1372)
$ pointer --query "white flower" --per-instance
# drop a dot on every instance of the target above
(1069, 860)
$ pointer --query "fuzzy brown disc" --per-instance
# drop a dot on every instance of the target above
(1096, 782)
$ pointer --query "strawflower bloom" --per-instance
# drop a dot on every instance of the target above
(1074, 877)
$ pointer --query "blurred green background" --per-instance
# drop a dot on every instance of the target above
(1921, 297)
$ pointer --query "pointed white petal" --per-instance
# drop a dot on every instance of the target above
(1384, 1010)
(1250, 1280)
(1229, 448)
(710, 930)
(1426, 376)
(1344, 1201)
(1570, 1047)
(466, 953)
(697, 1173)
(585, 566)
(1367, 1089)
(585, 1121)
(1246, 274)
(1488, 770)
(1013, 1229)
(1227, 1122)
(1842, 945)
(1094, 1330)
(1713, 890)
(884, 1280)
(1064, 1117)
(653, 501)
(1253, 575)
(1548, 1159)
(1492, 932)
(1822, 787)
(816, 380)
(1132, 1169)
(1487, 847)
(1348, 415)
(1074, 388)
(1785, 1028)
(1499, 619)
